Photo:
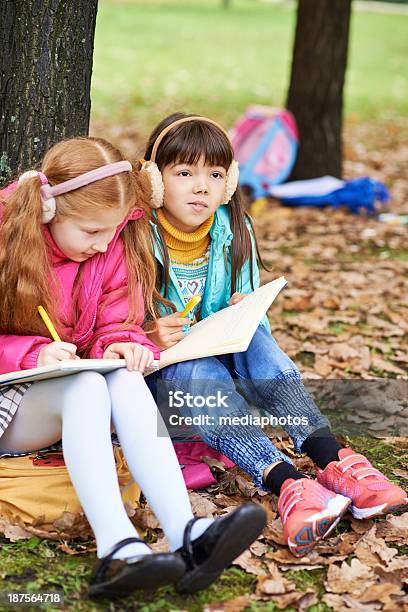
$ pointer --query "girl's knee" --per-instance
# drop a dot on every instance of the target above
(124, 376)
(121, 380)
(86, 391)
(87, 384)
(265, 358)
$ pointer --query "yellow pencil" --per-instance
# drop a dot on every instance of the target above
(49, 325)
(191, 304)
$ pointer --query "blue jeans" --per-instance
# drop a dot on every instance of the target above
(262, 376)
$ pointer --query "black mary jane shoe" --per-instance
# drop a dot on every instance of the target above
(209, 555)
(119, 578)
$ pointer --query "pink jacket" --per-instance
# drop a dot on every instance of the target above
(102, 306)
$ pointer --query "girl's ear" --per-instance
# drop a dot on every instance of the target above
(232, 181)
(151, 171)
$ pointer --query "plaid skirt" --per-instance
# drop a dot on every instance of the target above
(10, 399)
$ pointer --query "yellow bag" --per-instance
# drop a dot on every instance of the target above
(38, 485)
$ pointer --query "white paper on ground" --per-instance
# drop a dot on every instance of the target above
(313, 187)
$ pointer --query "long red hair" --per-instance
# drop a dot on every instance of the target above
(26, 275)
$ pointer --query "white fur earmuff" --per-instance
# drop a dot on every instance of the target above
(232, 181)
(151, 170)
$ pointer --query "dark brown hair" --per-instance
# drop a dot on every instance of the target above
(185, 144)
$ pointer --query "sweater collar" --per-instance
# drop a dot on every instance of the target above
(185, 240)
(185, 247)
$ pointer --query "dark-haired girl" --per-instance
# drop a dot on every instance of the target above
(205, 245)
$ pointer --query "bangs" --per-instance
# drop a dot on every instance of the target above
(190, 141)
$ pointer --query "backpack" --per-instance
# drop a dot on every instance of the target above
(37, 486)
(265, 142)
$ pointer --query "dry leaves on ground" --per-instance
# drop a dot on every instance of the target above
(344, 315)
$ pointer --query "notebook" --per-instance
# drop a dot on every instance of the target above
(228, 331)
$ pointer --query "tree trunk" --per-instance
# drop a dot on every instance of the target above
(45, 77)
(315, 94)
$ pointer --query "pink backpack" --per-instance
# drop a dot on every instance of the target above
(265, 142)
(197, 474)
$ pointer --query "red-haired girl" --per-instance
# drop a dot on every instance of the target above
(74, 238)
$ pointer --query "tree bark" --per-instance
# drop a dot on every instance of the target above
(45, 77)
(315, 94)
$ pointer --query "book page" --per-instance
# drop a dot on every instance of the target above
(65, 368)
(227, 331)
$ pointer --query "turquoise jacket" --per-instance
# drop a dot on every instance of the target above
(217, 291)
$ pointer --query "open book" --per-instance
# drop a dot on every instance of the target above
(228, 331)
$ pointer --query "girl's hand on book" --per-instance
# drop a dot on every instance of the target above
(137, 357)
(55, 352)
(169, 330)
(236, 297)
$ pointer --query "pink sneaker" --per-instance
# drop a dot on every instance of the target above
(308, 513)
(371, 492)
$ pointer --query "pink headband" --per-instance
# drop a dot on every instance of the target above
(49, 192)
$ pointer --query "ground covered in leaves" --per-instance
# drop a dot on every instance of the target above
(344, 319)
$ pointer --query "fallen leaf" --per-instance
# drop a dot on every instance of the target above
(353, 579)
(393, 526)
(161, 545)
(361, 525)
(247, 488)
(14, 532)
(273, 532)
(258, 548)
(344, 603)
(213, 463)
(401, 473)
(284, 556)
(145, 518)
(372, 550)
(274, 583)
(201, 506)
(250, 564)
(233, 605)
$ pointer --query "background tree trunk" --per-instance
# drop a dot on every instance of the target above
(45, 77)
(315, 94)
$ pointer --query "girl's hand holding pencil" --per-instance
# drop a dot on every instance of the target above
(168, 330)
(56, 351)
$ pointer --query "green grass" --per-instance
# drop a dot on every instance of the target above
(39, 566)
(35, 566)
(153, 57)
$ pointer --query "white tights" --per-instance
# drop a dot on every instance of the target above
(79, 409)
